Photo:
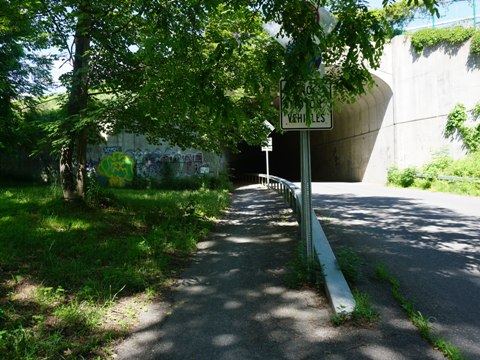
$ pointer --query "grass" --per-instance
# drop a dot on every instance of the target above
(301, 275)
(363, 314)
(73, 276)
(350, 264)
(421, 323)
(469, 167)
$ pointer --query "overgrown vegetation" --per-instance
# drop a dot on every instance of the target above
(457, 126)
(441, 165)
(421, 323)
(301, 274)
(74, 275)
(462, 125)
(475, 44)
(364, 312)
(169, 181)
(456, 35)
(403, 178)
(350, 263)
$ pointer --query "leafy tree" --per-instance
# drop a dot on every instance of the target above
(102, 33)
(23, 74)
(397, 15)
(209, 82)
(199, 73)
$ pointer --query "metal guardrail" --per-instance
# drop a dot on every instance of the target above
(337, 289)
(449, 178)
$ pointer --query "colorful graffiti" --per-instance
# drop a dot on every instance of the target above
(109, 150)
(118, 168)
(155, 164)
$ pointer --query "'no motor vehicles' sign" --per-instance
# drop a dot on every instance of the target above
(298, 120)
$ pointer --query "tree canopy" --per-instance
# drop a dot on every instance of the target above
(23, 74)
(194, 73)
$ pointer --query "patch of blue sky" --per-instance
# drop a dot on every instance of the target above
(451, 12)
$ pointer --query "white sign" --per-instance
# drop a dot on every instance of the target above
(298, 120)
(322, 17)
(268, 146)
(269, 126)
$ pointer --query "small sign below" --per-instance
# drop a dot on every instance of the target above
(298, 120)
(268, 146)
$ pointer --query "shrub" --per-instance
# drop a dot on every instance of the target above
(469, 135)
(393, 175)
(403, 178)
(408, 177)
(437, 167)
(96, 195)
(475, 44)
(431, 37)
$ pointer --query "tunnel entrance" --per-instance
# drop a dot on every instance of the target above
(284, 159)
(360, 147)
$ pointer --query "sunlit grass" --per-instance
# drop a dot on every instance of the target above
(72, 276)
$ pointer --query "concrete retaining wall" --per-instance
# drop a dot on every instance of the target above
(150, 161)
(401, 120)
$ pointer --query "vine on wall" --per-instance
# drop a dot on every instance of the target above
(452, 36)
(457, 126)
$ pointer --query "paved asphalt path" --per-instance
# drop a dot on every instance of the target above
(429, 241)
(233, 303)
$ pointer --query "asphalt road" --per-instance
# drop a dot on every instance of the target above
(429, 241)
(233, 302)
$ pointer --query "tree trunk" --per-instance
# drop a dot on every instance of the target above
(67, 178)
(76, 109)
(82, 163)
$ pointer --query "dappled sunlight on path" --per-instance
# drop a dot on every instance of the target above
(233, 302)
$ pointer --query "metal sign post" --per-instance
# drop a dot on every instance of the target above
(306, 187)
(267, 148)
(297, 120)
(268, 169)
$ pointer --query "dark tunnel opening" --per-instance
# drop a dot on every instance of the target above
(284, 160)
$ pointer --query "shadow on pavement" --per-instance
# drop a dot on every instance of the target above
(232, 303)
(434, 252)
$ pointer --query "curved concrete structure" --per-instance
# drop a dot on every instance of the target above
(402, 118)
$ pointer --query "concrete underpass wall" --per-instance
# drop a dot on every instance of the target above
(401, 120)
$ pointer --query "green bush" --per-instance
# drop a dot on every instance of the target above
(393, 175)
(403, 178)
(456, 126)
(408, 177)
(469, 167)
(96, 195)
(475, 44)
(436, 167)
(431, 37)
(194, 182)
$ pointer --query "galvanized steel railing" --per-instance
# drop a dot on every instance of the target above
(336, 286)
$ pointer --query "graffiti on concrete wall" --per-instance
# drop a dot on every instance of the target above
(118, 168)
(156, 163)
(109, 150)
